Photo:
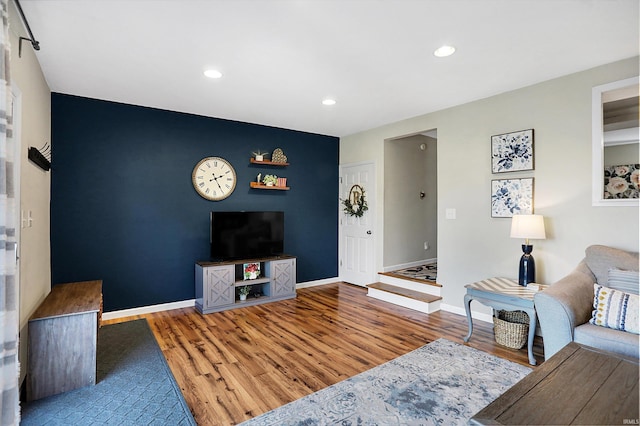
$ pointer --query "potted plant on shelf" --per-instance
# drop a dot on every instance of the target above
(244, 292)
(259, 155)
(270, 180)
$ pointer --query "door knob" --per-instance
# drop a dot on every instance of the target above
(369, 232)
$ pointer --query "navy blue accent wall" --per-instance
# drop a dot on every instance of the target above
(123, 208)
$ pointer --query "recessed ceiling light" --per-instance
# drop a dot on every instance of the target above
(443, 51)
(329, 101)
(213, 73)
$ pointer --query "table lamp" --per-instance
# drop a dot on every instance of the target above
(529, 227)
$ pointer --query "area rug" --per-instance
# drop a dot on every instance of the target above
(428, 272)
(134, 386)
(442, 383)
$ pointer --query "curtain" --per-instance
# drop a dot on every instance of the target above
(9, 323)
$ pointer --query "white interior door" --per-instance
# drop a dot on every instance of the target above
(357, 237)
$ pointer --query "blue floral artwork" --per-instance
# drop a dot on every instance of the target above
(622, 181)
(512, 152)
(511, 196)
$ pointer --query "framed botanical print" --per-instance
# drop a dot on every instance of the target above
(511, 196)
(512, 152)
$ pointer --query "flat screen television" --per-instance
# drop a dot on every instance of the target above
(245, 235)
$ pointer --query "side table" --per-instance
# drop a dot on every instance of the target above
(506, 294)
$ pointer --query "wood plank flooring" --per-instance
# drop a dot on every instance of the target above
(235, 365)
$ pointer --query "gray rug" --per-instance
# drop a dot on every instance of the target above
(442, 383)
(134, 386)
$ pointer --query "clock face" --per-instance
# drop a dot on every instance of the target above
(214, 178)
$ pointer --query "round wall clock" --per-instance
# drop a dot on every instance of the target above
(214, 178)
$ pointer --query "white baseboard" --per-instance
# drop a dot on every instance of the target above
(408, 265)
(148, 309)
(461, 311)
(318, 282)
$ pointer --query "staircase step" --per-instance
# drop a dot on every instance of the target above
(404, 277)
(418, 286)
(408, 298)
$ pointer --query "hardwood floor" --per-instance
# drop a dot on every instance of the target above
(237, 364)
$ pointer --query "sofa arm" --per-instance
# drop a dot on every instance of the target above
(563, 306)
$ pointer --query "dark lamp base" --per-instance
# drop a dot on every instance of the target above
(527, 271)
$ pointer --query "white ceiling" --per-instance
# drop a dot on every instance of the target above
(281, 58)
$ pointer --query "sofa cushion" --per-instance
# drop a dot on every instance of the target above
(601, 258)
(627, 281)
(607, 339)
(615, 309)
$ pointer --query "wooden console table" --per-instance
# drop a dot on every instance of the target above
(63, 336)
(578, 385)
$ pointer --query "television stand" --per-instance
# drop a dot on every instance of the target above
(218, 283)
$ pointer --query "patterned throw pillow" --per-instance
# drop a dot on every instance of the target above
(626, 281)
(615, 309)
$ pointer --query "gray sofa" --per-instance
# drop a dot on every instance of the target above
(565, 307)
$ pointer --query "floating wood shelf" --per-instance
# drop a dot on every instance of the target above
(256, 185)
(268, 163)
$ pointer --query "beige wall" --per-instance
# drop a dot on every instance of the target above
(409, 221)
(35, 183)
(475, 245)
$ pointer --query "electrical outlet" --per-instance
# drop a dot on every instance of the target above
(426, 245)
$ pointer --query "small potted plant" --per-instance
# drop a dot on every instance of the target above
(270, 180)
(259, 155)
(244, 292)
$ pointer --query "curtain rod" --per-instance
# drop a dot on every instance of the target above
(34, 43)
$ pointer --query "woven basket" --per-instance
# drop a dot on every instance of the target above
(511, 328)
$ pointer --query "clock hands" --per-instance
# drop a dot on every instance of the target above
(218, 183)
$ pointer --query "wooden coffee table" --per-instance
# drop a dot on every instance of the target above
(577, 385)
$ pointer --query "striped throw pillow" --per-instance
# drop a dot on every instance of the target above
(615, 309)
(626, 281)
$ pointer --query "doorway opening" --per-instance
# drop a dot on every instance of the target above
(410, 201)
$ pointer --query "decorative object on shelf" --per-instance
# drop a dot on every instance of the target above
(259, 177)
(259, 155)
(278, 156)
(622, 181)
(281, 181)
(251, 271)
(244, 292)
(527, 226)
(214, 178)
(510, 197)
(355, 204)
(270, 180)
(512, 152)
(41, 157)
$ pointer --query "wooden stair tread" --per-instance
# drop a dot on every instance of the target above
(404, 277)
(412, 294)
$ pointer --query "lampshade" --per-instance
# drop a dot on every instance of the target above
(528, 226)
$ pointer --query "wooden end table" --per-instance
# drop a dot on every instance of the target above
(578, 385)
(505, 294)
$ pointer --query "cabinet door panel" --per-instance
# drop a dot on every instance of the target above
(283, 277)
(220, 289)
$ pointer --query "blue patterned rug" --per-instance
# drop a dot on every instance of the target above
(134, 386)
(442, 383)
